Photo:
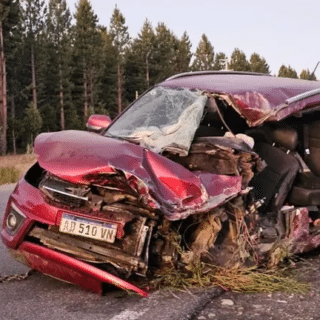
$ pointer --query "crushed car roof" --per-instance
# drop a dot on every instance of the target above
(255, 96)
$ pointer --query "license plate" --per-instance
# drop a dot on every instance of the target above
(88, 228)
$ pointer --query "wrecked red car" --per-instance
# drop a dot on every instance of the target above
(207, 166)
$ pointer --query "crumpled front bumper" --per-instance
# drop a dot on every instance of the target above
(28, 200)
(61, 266)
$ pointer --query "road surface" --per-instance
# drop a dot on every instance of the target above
(41, 297)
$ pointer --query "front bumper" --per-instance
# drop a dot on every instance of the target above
(66, 268)
(29, 201)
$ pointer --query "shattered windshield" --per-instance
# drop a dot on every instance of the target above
(162, 119)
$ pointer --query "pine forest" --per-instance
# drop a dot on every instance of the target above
(58, 68)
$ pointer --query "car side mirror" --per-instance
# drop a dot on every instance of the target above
(98, 122)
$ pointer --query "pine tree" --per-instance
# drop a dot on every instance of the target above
(145, 45)
(165, 54)
(107, 93)
(287, 72)
(120, 40)
(88, 55)
(238, 61)
(204, 56)
(306, 75)
(34, 121)
(4, 12)
(183, 53)
(220, 61)
(17, 68)
(139, 62)
(137, 70)
(60, 42)
(259, 64)
(34, 15)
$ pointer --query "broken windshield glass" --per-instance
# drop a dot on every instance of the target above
(162, 119)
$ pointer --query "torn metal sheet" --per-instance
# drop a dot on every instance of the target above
(257, 98)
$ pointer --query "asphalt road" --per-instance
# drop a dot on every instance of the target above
(8, 265)
(41, 297)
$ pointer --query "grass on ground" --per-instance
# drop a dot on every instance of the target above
(249, 280)
(12, 167)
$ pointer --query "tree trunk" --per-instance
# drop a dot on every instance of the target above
(62, 124)
(147, 70)
(119, 89)
(3, 96)
(13, 116)
(34, 86)
(91, 95)
(206, 65)
(85, 88)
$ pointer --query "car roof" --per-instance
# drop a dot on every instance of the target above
(255, 96)
(237, 82)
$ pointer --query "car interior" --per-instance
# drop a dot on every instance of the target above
(290, 149)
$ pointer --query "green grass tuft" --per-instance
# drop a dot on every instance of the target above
(9, 175)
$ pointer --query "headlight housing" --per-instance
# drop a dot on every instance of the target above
(14, 220)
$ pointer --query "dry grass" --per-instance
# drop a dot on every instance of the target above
(249, 280)
(12, 167)
(9, 175)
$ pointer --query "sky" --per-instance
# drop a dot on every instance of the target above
(283, 32)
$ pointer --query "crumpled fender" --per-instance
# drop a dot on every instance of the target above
(71, 155)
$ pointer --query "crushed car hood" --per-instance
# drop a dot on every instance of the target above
(256, 97)
(176, 191)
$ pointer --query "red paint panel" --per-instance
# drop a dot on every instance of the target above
(72, 270)
(73, 154)
(174, 182)
(220, 185)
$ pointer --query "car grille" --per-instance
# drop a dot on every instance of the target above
(64, 192)
(69, 199)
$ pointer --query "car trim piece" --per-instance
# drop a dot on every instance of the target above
(216, 72)
(302, 96)
(66, 193)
